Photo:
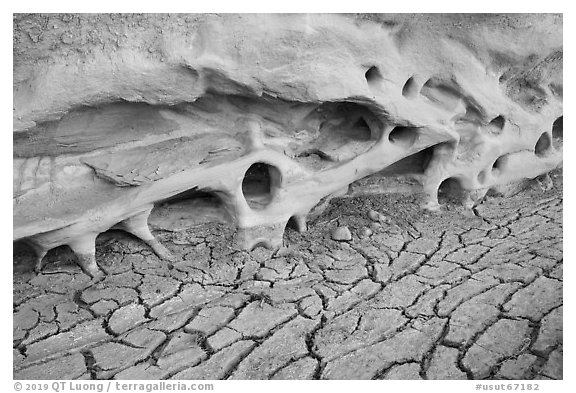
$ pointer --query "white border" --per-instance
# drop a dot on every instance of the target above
(493, 6)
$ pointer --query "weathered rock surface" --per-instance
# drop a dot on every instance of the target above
(194, 128)
(117, 117)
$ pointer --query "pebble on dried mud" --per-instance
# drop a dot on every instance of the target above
(341, 234)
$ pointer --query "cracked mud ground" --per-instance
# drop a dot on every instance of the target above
(413, 295)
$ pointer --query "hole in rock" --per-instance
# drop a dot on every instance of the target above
(445, 93)
(403, 176)
(496, 125)
(292, 224)
(451, 191)
(259, 184)
(373, 76)
(361, 130)
(499, 165)
(60, 258)
(410, 88)
(557, 137)
(23, 257)
(336, 132)
(187, 209)
(403, 136)
(412, 164)
(346, 120)
(543, 145)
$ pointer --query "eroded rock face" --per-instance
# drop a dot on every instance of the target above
(256, 120)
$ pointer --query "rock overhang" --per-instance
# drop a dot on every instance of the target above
(108, 122)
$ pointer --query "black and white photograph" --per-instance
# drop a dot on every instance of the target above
(287, 196)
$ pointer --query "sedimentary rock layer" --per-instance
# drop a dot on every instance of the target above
(268, 116)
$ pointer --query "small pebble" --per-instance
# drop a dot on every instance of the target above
(364, 232)
(375, 227)
(378, 217)
(341, 234)
(374, 215)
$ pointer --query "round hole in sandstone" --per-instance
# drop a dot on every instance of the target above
(410, 89)
(403, 136)
(543, 145)
(260, 184)
(373, 76)
(496, 125)
(557, 137)
(293, 225)
(450, 191)
(499, 165)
